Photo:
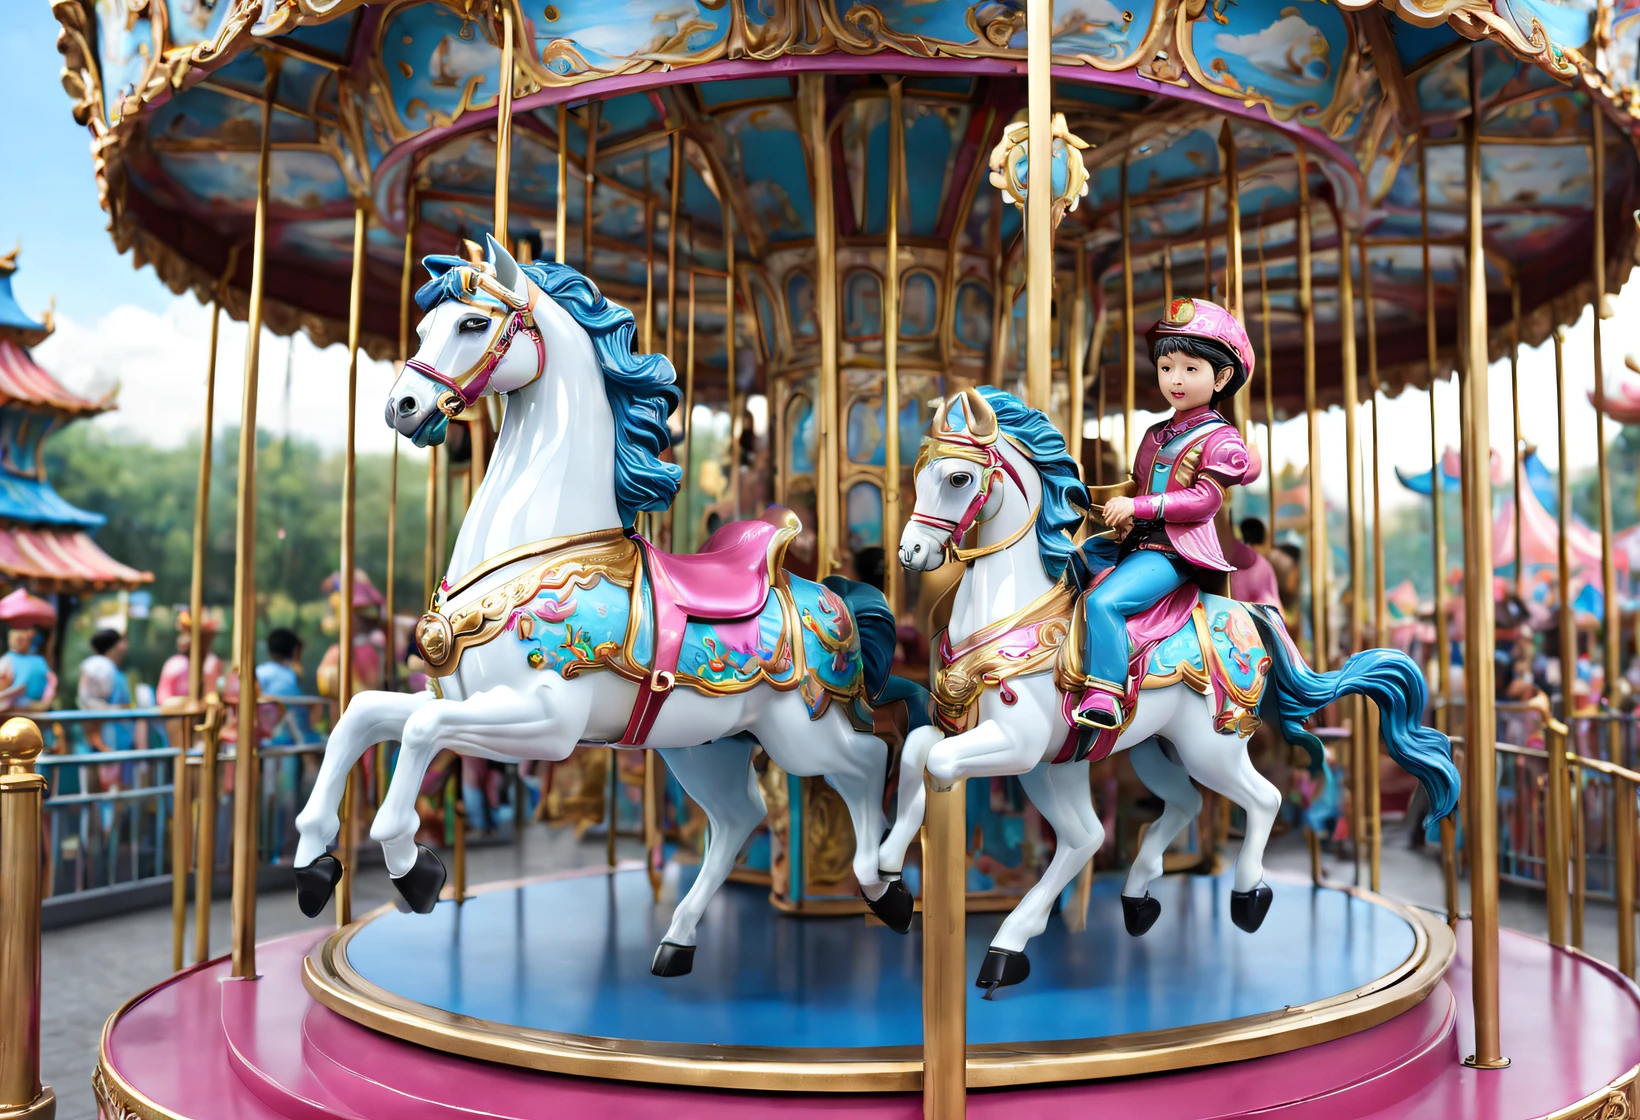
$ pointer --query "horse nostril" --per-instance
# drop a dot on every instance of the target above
(407, 405)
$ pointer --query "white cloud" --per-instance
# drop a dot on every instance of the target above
(159, 360)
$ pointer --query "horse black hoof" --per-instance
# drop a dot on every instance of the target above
(1247, 908)
(1139, 914)
(894, 906)
(673, 960)
(1000, 969)
(421, 885)
(316, 882)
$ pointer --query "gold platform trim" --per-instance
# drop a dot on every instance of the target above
(333, 982)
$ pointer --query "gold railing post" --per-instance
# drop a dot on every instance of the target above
(1375, 808)
(1580, 856)
(1443, 652)
(349, 560)
(1624, 792)
(945, 963)
(651, 820)
(22, 795)
(1554, 820)
(182, 821)
(1129, 336)
(1356, 706)
(210, 730)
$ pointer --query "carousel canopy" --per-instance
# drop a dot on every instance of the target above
(370, 100)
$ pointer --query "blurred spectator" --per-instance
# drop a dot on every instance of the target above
(281, 675)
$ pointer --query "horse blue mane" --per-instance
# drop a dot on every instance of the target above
(642, 388)
(1063, 495)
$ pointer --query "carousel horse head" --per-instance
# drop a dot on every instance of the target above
(984, 448)
(498, 326)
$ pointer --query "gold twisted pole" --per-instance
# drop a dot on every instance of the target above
(22, 795)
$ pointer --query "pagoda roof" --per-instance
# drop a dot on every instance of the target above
(24, 382)
(12, 316)
(52, 560)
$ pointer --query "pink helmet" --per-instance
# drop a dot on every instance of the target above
(1197, 318)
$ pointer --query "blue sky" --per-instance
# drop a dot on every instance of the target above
(48, 195)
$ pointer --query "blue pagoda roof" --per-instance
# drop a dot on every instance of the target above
(36, 502)
(12, 314)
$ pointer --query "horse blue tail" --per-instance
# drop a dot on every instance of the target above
(1387, 677)
(879, 637)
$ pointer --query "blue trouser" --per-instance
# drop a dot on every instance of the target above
(1142, 579)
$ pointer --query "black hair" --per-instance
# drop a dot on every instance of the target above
(1206, 349)
(284, 644)
(1252, 530)
(1292, 550)
(104, 640)
(868, 566)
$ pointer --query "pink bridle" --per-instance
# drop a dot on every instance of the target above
(516, 316)
(992, 466)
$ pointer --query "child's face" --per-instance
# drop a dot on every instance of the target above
(1189, 382)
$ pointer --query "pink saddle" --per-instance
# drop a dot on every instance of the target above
(727, 578)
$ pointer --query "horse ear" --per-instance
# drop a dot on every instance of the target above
(982, 418)
(938, 424)
(507, 272)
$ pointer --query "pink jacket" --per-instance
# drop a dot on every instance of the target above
(1195, 488)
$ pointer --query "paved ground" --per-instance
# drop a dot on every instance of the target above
(90, 970)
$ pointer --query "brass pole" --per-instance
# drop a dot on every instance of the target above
(1555, 823)
(1077, 364)
(1099, 455)
(458, 837)
(1480, 744)
(945, 1001)
(1267, 357)
(560, 220)
(1129, 372)
(683, 534)
(672, 251)
(729, 357)
(1318, 509)
(812, 102)
(430, 549)
(651, 821)
(1624, 793)
(649, 263)
(594, 119)
(1380, 620)
(1580, 852)
(1234, 284)
(406, 286)
(1519, 454)
(202, 509)
(246, 755)
(22, 793)
(1357, 544)
(1207, 240)
(503, 125)
(182, 819)
(1559, 779)
(1039, 206)
(1443, 643)
(1611, 627)
(1167, 276)
(891, 338)
(344, 638)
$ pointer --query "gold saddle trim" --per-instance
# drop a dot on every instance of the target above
(573, 561)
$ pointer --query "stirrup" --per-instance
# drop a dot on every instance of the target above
(1099, 710)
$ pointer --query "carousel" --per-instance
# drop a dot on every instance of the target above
(714, 316)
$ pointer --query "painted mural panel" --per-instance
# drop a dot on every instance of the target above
(800, 306)
(575, 36)
(974, 312)
(763, 149)
(301, 180)
(868, 430)
(204, 115)
(1285, 54)
(919, 307)
(862, 305)
(437, 64)
(125, 42)
(865, 516)
(194, 21)
(802, 436)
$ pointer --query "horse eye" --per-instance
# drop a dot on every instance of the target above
(472, 323)
(961, 479)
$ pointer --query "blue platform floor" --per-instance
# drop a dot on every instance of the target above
(572, 955)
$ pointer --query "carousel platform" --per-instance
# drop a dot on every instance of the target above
(536, 998)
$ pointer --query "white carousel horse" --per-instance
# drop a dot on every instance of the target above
(556, 626)
(1011, 657)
